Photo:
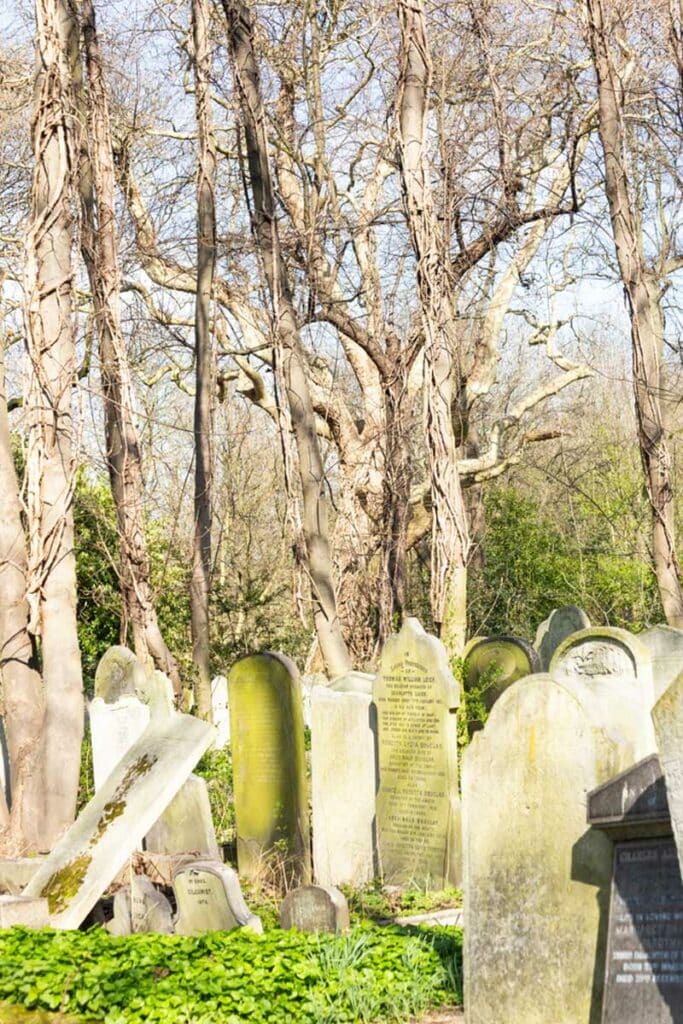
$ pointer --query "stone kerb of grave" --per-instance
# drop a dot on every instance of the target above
(554, 630)
(418, 807)
(111, 826)
(315, 908)
(644, 935)
(535, 877)
(504, 659)
(343, 784)
(606, 653)
(665, 645)
(210, 899)
(269, 777)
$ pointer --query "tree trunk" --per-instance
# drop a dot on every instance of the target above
(315, 528)
(206, 262)
(450, 540)
(642, 290)
(124, 456)
(51, 462)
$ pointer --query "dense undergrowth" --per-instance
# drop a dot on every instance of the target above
(370, 974)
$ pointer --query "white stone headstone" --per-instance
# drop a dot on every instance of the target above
(112, 825)
(117, 674)
(343, 784)
(210, 899)
(150, 910)
(220, 711)
(604, 654)
(122, 921)
(114, 728)
(26, 911)
(186, 826)
(665, 644)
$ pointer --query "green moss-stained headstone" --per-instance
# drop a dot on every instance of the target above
(536, 878)
(269, 777)
(418, 806)
(496, 662)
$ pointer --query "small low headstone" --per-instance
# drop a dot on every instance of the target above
(186, 826)
(665, 645)
(220, 711)
(114, 728)
(268, 763)
(122, 921)
(27, 911)
(210, 899)
(644, 946)
(418, 807)
(343, 786)
(17, 872)
(150, 910)
(315, 908)
(117, 674)
(497, 662)
(602, 654)
(559, 625)
(107, 831)
(667, 717)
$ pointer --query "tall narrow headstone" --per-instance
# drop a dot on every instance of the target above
(220, 711)
(186, 826)
(559, 625)
(665, 644)
(537, 879)
(344, 786)
(114, 728)
(495, 663)
(269, 777)
(418, 808)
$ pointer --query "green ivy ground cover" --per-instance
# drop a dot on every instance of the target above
(370, 974)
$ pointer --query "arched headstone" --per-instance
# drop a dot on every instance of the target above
(117, 674)
(605, 653)
(501, 660)
(559, 625)
(210, 899)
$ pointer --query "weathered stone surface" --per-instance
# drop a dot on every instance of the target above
(150, 910)
(554, 630)
(501, 660)
(536, 878)
(632, 805)
(665, 645)
(344, 784)
(186, 826)
(17, 872)
(353, 682)
(269, 778)
(418, 809)
(5, 772)
(220, 711)
(114, 728)
(210, 899)
(117, 675)
(27, 911)
(604, 653)
(667, 716)
(315, 908)
(122, 921)
(107, 831)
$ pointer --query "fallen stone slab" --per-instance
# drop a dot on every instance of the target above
(24, 911)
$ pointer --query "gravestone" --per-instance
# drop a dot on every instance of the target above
(667, 717)
(117, 674)
(210, 899)
(644, 956)
(114, 728)
(500, 661)
(536, 879)
(17, 872)
(315, 908)
(554, 630)
(343, 786)
(665, 645)
(269, 776)
(25, 911)
(186, 826)
(122, 921)
(353, 682)
(418, 809)
(149, 908)
(107, 831)
(220, 712)
(605, 653)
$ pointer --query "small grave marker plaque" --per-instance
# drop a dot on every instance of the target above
(210, 899)
(315, 908)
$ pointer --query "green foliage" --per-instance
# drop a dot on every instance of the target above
(216, 767)
(374, 902)
(366, 975)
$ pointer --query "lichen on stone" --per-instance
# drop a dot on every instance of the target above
(62, 886)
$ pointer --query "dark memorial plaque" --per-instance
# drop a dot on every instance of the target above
(644, 970)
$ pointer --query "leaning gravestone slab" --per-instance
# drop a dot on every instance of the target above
(114, 728)
(535, 878)
(665, 645)
(315, 908)
(112, 825)
(343, 785)
(210, 899)
(186, 826)
(605, 653)
(269, 777)
(150, 910)
(559, 625)
(503, 659)
(117, 674)
(220, 712)
(418, 810)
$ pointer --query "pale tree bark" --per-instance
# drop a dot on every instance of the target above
(643, 291)
(203, 413)
(286, 332)
(51, 461)
(124, 456)
(450, 536)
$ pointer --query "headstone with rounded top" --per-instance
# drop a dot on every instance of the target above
(605, 653)
(496, 662)
(560, 624)
(150, 910)
(665, 644)
(315, 908)
(122, 921)
(268, 763)
(117, 674)
(210, 899)
(418, 806)
(186, 826)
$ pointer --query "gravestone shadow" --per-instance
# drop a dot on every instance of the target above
(591, 855)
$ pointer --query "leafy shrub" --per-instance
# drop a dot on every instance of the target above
(230, 977)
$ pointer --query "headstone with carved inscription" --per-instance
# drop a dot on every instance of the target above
(269, 777)
(418, 808)
(150, 911)
(210, 899)
(604, 653)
